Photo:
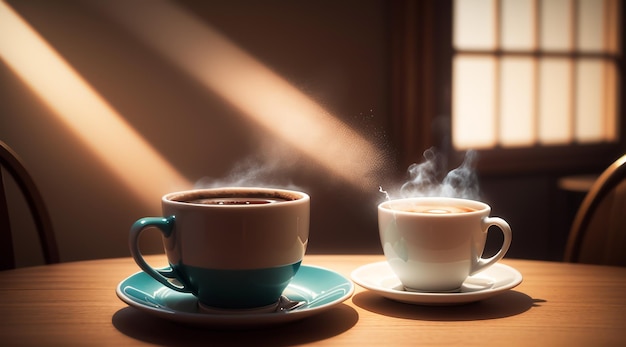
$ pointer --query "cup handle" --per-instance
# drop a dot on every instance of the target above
(483, 263)
(165, 225)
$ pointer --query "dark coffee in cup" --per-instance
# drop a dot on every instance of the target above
(230, 198)
(234, 201)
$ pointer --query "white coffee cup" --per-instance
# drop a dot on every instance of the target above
(434, 244)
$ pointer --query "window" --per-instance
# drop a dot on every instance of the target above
(531, 84)
(532, 72)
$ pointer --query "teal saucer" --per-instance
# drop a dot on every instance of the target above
(319, 289)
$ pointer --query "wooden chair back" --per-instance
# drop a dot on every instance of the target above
(598, 233)
(11, 163)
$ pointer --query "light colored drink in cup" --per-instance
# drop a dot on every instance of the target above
(434, 244)
(233, 248)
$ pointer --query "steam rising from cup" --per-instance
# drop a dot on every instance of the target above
(268, 167)
(424, 178)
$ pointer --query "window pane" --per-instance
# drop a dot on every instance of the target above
(612, 25)
(590, 120)
(611, 102)
(517, 124)
(555, 25)
(518, 29)
(555, 121)
(474, 24)
(590, 25)
(473, 114)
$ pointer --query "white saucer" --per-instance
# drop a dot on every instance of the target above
(317, 288)
(379, 278)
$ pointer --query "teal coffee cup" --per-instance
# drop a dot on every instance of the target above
(233, 248)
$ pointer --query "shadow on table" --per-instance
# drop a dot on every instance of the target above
(145, 327)
(504, 305)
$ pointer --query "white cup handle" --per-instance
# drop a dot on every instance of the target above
(483, 263)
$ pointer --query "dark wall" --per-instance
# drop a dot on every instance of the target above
(538, 209)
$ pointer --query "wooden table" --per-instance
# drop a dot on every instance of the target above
(557, 304)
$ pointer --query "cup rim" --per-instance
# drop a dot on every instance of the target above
(480, 206)
(298, 196)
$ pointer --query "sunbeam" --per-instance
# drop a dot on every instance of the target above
(259, 93)
(100, 127)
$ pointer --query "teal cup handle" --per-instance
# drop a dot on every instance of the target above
(165, 225)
